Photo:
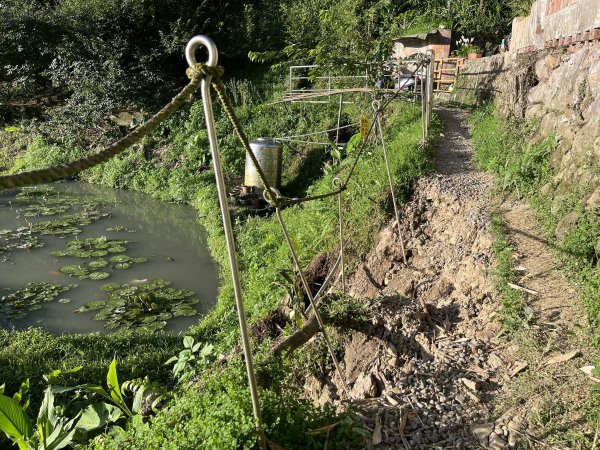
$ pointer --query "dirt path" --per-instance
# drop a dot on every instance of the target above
(431, 370)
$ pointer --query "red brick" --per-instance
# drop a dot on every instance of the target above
(585, 36)
(595, 34)
(578, 37)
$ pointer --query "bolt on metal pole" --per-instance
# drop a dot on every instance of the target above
(213, 57)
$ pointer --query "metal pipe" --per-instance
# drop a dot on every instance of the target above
(337, 183)
(325, 285)
(213, 57)
(376, 106)
(339, 121)
(431, 53)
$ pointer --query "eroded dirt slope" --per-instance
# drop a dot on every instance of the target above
(431, 371)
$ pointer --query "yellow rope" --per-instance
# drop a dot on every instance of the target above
(72, 168)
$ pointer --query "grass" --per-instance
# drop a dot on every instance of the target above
(514, 312)
(523, 168)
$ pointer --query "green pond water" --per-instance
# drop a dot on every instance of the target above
(76, 258)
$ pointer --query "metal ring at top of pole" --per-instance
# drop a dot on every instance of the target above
(192, 46)
(376, 105)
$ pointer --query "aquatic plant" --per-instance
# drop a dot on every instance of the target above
(96, 247)
(148, 306)
(17, 304)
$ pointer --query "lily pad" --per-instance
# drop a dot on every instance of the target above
(16, 304)
(122, 266)
(117, 249)
(109, 287)
(120, 259)
(145, 306)
(75, 270)
(98, 275)
(140, 260)
(91, 306)
(98, 264)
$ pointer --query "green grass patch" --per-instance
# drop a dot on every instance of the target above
(514, 312)
(523, 167)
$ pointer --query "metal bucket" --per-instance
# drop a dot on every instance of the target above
(269, 155)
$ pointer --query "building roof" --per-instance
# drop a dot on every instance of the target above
(423, 36)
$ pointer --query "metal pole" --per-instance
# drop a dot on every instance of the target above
(213, 57)
(337, 133)
(424, 109)
(376, 106)
(430, 88)
(338, 183)
(312, 300)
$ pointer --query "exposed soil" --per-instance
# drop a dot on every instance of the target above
(434, 370)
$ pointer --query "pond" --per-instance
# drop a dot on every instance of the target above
(76, 257)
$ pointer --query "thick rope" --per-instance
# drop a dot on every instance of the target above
(70, 169)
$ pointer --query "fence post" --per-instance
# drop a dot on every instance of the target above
(430, 87)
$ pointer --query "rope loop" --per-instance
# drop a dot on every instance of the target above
(203, 70)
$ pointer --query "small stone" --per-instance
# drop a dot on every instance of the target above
(496, 442)
(482, 433)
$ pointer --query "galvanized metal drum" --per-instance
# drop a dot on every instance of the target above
(269, 155)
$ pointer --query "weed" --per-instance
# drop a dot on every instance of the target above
(514, 311)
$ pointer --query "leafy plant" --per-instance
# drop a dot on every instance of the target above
(466, 46)
(193, 357)
(53, 430)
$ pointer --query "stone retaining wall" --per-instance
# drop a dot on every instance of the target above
(560, 90)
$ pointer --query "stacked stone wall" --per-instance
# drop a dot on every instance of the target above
(559, 91)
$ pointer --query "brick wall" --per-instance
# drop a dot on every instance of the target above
(556, 23)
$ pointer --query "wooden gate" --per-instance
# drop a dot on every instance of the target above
(445, 73)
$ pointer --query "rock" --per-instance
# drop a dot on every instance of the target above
(552, 62)
(566, 224)
(542, 71)
(496, 442)
(473, 385)
(482, 433)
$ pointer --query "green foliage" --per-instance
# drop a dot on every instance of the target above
(218, 414)
(514, 312)
(523, 167)
(194, 356)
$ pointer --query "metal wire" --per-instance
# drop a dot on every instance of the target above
(315, 132)
(311, 300)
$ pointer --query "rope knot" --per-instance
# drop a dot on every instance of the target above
(204, 70)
